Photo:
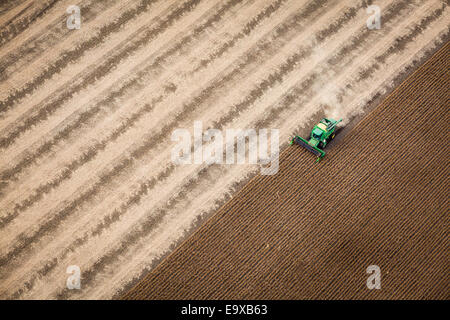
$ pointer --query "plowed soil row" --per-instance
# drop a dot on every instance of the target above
(380, 197)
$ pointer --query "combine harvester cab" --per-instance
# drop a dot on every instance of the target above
(320, 136)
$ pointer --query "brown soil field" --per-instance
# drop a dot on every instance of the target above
(379, 198)
(86, 116)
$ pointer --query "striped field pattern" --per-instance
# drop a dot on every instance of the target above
(310, 232)
(86, 116)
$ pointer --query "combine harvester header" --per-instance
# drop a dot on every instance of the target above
(320, 136)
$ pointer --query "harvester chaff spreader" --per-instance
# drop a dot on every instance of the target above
(320, 136)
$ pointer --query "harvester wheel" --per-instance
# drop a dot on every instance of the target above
(321, 146)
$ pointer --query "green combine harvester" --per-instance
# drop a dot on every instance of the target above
(321, 135)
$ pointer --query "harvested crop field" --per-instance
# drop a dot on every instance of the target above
(379, 198)
(86, 116)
